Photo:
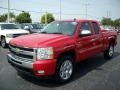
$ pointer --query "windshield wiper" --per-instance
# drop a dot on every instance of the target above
(52, 32)
(56, 33)
(43, 32)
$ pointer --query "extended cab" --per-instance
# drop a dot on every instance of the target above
(55, 51)
(9, 31)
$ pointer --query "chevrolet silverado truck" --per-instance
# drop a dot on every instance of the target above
(55, 51)
(9, 31)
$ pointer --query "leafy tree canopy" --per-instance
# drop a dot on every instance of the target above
(23, 17)
(49, 18)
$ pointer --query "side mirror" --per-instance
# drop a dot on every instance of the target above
(85, 33)
(26, 28)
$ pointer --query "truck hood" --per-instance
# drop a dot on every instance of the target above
(14, 31)
(42, 40)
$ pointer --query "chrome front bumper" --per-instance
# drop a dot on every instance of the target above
(20, 63)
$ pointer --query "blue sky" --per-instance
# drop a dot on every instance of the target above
(70, 8)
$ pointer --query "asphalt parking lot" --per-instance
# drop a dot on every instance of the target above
(95, 73)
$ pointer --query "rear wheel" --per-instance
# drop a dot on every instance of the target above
(65, 68)
(108, 54)
(3, 42)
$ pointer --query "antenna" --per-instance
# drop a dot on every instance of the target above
(75, 19)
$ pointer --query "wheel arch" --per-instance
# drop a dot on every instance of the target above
(112, 41)
(1, 36)
(69, 52)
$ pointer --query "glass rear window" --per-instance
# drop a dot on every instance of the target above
(9, 26)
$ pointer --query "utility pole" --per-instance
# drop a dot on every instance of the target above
(60, 9)
(108, 14)
(86, 9)
(8, 15)
(46, 18)
(86, 4)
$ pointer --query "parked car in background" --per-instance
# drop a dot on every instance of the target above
(9, 31)
(117, 29)
(32, 27)
(110, 28)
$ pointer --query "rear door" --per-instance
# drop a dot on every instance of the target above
(85, 43)
(98, 40)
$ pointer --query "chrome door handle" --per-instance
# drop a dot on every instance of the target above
(93, 40)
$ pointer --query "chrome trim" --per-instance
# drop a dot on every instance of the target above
(28, 65)
(21, 51)
(92, 40)
(35, 54)
(25, 52)
(22, 58)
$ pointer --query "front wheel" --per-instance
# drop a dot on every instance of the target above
(108, 54)
(65, 69)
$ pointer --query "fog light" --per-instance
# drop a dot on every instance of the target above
(41, 71)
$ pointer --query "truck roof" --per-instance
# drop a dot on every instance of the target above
(81, 20)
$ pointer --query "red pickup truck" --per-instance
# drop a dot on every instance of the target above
(55, 51)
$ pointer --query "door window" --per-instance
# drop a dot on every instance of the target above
(95, 27)
(85, 27)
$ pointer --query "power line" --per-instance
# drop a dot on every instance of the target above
(27, 10)
(57, 13)
(21, 10)
(72, 14)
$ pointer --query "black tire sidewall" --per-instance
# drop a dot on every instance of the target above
(3, 38)
(106, 53)
(59, 63)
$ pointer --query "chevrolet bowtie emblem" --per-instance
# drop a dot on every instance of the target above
(17, 50)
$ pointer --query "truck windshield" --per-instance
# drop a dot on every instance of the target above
(60, 27)
(9, 26)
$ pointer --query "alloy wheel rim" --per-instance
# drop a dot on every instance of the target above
(66, 70)
(111, 51)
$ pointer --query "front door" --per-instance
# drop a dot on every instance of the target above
(85, 42)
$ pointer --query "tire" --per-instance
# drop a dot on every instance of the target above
(65, 69)
(108, 54)
(3, 42)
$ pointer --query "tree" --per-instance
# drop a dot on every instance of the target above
(49, 18)
(3, 17)
(116, 23)
(107, 21)
(23, 17)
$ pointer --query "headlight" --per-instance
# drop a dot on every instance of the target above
(45, 53)
(9, 35)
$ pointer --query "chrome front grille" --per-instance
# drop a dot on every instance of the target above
(22, 54)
